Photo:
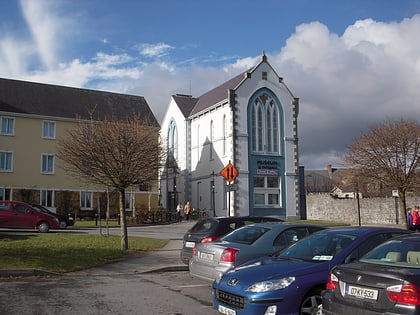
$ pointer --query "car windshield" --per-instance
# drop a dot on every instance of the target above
(245, 235)
(398, 252)
(318, 247)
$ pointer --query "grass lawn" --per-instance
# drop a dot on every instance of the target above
(63, 252)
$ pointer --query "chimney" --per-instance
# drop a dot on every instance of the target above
(330, 170)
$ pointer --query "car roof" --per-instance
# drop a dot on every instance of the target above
(360, 230)
(282, 224)
(244, 218)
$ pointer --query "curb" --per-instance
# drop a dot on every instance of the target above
(13, 273)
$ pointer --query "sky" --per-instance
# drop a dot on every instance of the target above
(352, 63)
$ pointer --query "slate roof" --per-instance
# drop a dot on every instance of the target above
(67, 102)
(217, 94)
(185, 103)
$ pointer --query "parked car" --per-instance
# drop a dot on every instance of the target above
(16, 214)
(64, 220)
(209, 260)
(291, 281)
(384, 281)
(211, 229)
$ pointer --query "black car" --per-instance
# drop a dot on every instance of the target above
(211, 229)
(65, 220)
(384, 281)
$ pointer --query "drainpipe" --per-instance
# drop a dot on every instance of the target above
(232, 104)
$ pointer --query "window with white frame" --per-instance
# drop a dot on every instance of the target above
(172, 140)
(129, 201)
(265, 125)
(7, 126)
(47, 198)
(47, 163)
(6, 161)
(211, 139)
(267, 191)
(48, 129)
(224, 135)
(5, 193)
(86, 199)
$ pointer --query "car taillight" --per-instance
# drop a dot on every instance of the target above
(209, 239)
(228, 255)
(332, 281)
(404, 293)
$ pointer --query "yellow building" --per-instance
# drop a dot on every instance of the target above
(33, 117)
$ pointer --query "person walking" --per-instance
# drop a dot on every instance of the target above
(416, 219)
(179, 212)
(187, 210)
(409, 219)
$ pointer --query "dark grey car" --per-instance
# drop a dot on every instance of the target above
(384, 281)
(211, 229)
(210, 260)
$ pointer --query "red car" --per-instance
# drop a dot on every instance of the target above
(17, 214)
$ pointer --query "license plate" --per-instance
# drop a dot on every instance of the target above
(363, 293)
(189, 244)
(206, 256)
(225, 310)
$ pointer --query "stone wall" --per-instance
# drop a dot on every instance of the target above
(373, 211)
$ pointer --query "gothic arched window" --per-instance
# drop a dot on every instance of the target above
(172, 140)
(265, 125)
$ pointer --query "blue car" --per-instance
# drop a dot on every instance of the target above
(291, 282)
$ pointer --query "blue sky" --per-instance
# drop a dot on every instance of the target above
(351, 63)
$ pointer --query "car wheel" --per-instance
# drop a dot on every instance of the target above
(43, 227)
(63, 224)
(312, 304)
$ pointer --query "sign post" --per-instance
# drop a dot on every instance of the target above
(229, 172)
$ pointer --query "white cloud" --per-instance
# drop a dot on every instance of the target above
(345, 84)
(154, 50)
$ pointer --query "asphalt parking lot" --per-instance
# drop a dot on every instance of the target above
(157, 283)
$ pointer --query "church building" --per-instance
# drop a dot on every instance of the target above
(233, 151)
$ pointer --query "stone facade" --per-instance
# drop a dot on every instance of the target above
(373, 211)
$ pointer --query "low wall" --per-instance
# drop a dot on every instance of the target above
(373, 211)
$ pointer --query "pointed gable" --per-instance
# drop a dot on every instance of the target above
(185, 103)
(218, 94)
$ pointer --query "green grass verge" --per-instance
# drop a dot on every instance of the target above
(62, 252)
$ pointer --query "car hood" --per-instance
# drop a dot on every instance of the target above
(272, 268)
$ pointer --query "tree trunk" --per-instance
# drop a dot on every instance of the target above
(123, 221)
(403, 208)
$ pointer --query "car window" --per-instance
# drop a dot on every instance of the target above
(290, 236)
(246, 235)
(317, 247)
(403, 253)
(20, 208)
(367, 245)
(203, 226)
(4, 206)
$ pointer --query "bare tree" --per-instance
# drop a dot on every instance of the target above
(389, 153)
(114, 153)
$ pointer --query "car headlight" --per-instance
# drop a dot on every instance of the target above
(270, 285)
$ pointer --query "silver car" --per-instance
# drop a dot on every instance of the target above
(210, 260)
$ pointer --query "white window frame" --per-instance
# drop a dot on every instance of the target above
(47, 163)
(265, 125)
(129, 201)
(5, 193)
(86, 200)
(268, 191)
(6, 161)
(47, 198)
(48, 129)
(7, 126)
